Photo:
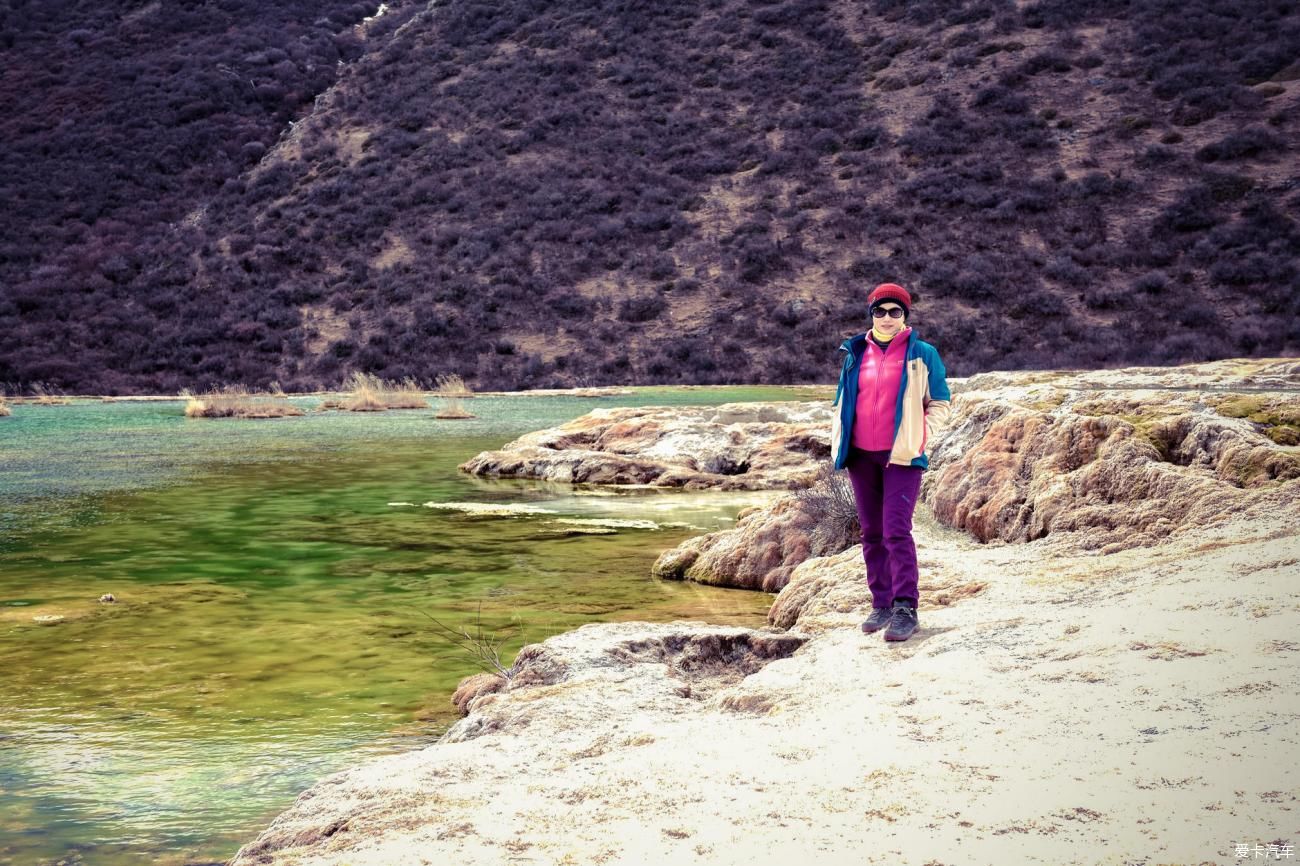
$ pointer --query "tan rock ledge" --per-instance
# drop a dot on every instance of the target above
(736, 446)
(1088, 458)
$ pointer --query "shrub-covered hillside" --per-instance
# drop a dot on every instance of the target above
(530, 194)
(119, 119)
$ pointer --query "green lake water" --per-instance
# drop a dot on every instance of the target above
(277, 583)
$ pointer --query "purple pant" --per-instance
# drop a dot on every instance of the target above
(886, 497)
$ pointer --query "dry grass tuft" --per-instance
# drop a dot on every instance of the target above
(4, 409)
(41, 395)
(369, 393)
(236, 401)
(453, 408)
(451, 385)
(452, 389)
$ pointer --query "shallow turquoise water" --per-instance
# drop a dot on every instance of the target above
(275, 584)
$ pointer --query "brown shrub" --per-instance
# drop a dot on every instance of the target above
(829, 502)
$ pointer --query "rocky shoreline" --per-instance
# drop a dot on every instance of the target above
(735, 446)
(1080, 690)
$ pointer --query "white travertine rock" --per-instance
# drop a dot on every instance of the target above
(1026, 455)
(736, 446)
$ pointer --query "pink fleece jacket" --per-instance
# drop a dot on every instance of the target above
(880, 374)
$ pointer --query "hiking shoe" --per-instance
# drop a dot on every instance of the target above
(879, 619)
(902, 622)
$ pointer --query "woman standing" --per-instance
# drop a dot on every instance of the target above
(892, 395)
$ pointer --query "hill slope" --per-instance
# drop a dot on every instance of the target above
(533, 194)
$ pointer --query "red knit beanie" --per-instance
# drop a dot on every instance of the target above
(890, 292)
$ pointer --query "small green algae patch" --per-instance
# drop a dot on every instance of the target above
(1279, 416)
(1262, 466)
(1045, 401)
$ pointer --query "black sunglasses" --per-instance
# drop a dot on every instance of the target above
(892, 312)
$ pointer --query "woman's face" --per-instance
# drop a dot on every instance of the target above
(883, 320)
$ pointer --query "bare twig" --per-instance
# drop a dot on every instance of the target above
(484, 646)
